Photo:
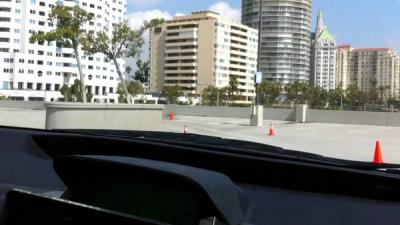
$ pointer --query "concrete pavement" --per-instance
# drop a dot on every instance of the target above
(354, 142)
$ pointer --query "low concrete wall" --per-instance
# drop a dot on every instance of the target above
(103, 116)
(354, 117)
(311, 116)
(22, 118)
(280, 114)
(211, 111)
(229, 112)
(21, 105)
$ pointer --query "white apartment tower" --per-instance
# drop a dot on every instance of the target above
(201, 50)
(285, 37)
(38, 71)
(323, 57)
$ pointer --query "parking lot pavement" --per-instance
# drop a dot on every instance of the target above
(354, 142)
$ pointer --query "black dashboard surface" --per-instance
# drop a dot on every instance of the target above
(354, 197)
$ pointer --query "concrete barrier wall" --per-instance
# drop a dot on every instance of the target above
(22, 118)
(211, 111)
(21, 105)
(280, 114)
(312, 116)
(103, 116)
(229, 112)
(354, 117)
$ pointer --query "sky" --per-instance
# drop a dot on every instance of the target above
(361, 23)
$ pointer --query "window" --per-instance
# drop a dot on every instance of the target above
(21, 60)
(4, 39)
(56, 87)
(29, 85)
(6, 85)
(48, 87)
(39, 86)
(4, 29)
(20, 85)
(5, 9)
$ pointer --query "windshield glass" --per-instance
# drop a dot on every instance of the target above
(312, 76)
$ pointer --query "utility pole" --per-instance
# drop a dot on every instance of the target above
(257, 111)
(259, 51)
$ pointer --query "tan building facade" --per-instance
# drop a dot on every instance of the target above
(344, 66)
(364, 66)
(201, 50)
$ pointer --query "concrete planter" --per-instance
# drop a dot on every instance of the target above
(103, 116)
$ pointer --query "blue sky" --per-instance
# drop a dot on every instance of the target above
(361, 23)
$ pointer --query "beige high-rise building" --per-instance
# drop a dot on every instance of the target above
(363, 66)
(203, 49)
(343, 66)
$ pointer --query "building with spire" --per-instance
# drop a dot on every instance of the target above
(323, 57)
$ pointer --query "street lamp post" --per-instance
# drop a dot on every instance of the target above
(257, 111)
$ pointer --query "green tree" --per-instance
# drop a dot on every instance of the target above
(210, 96)
(354, 96)
(73, 93)
(270, 92)
(143, 73)
(128, 71)
(232, 91)
(66, 92)
(393, 102)
(68, 33)
(172, 93)
(123, 43)
(294, 91)
(134, 88)
(336, 98)
(372, 96)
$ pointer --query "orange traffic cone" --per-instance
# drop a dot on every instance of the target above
(171, 116)
(378, 153)
(186, 130)
(271, 131)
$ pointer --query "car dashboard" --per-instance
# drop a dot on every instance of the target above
(70, 177)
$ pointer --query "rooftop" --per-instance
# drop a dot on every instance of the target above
(347, 46)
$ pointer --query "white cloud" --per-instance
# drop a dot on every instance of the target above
(179, 14)
(225, 10)
(137, 18)
(144, 2)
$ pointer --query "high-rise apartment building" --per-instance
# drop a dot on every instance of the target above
(203, 49)
(366, 67)
(285, 37)
(344, 63)
(323, 57)
(38, 71)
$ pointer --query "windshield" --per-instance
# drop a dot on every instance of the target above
(312, 76)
